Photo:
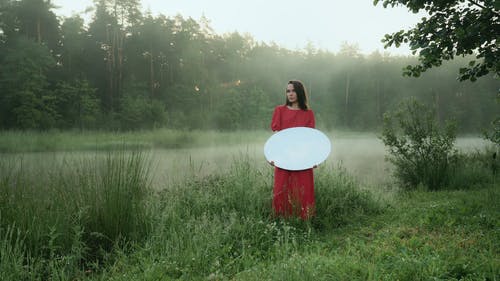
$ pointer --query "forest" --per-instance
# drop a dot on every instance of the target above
(127, 69)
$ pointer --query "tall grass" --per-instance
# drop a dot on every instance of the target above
(61, 219)
(97, 219)
(57, 222)
(218, 226)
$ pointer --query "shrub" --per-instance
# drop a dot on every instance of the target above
(494, 135)
(475, 169)
(420, 150)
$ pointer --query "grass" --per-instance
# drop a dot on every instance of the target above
(220, 226)
(445, 235)
(31, 141)
(50, 141)
(58, 220)
(99, 219)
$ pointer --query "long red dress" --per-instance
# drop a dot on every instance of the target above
(293, 192)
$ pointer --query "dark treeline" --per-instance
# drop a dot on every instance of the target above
(130, 70)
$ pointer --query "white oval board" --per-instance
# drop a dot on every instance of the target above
(297, 148)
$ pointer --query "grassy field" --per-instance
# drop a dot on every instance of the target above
(56, 141)
(102, 214)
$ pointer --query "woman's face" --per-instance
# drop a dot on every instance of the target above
(291, 95)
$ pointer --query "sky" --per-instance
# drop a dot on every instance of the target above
(291, 24)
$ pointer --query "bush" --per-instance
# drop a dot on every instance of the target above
(474, 169)
(494, 135)
(420, 151)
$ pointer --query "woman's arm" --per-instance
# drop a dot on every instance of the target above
(276, 121)
(311, 123)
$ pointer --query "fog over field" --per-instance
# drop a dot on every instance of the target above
(361, 154)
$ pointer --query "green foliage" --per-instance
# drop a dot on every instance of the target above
(229, 115)
(139, 112)
(420, 151)
(421, 236)
(77, 104)
(452, 29)
(26, 101)
(339, 200)
(445, 235)
(33, 19)
(58, 219)
(55, 222)
(131, 71)
(475, 169)
(74, 59)
(494, 135)
(96, 219)
(221, 225)
(11, 254)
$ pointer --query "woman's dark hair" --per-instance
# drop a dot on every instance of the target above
(301, 92)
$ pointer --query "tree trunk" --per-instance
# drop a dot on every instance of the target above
(309, 92)
(436, 105)
(38, 31)
(379, 113)
(119, 82)
(347, 88)
(151, 70)
(109, 63)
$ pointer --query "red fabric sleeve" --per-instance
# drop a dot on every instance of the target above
(311, 123)
(276, 122)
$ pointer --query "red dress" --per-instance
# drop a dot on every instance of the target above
(293, 192)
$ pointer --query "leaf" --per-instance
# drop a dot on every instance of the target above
(452, 29)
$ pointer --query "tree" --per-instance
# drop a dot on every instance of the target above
(5, 18)
(112, 22)
(453, 28)
(73, 44)
(351, 53)
(25, 100)
(35, 19)
(148, 51)
(77, 104)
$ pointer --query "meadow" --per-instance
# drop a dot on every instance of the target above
(178, 205)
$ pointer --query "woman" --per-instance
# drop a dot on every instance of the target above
(293, 193)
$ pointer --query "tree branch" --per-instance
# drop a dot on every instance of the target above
(482, 7)
(477, 4)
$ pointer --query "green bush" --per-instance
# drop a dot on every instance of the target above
(494, 135)
(420, 150)
(475, 169)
